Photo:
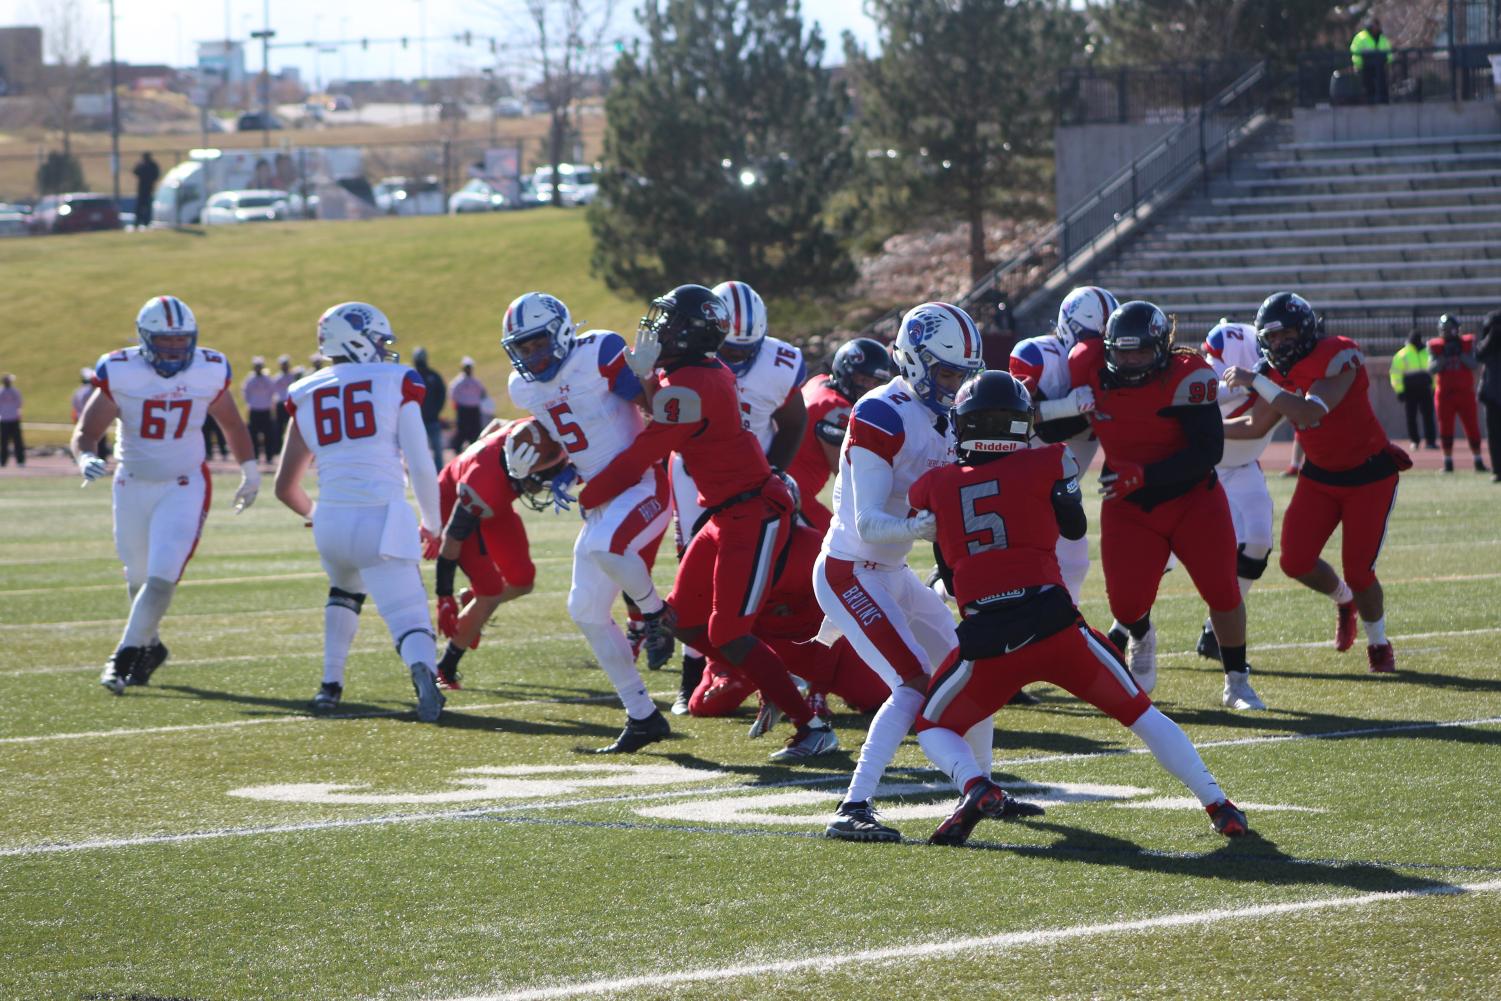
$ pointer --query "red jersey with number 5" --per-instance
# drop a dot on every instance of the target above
(347, 415)
(161, 417)
(1130, 420)
(996, 527)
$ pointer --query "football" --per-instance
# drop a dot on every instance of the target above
(549, 452)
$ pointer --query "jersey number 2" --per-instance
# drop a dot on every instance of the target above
(356, 419)
(982, 529)
(570, 434)
(154, 421)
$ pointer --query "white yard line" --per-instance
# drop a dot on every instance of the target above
(1006, 941)
(1329, 643)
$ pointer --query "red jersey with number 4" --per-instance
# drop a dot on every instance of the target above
(1351, 434)
(996, 527)
(1130, 420)
(347, 414)
(695, 412)
(828, 418)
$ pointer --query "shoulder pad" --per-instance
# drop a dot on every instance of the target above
(471, 499)
(1347, 355)
(609, 343)
(878, 413)
(677, 405)
(1028, 351)
(211, 355)
(1198, 385)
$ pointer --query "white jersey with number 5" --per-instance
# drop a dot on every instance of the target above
(777, 373)
(587, 407)
(1233, 345)
(347, 414)
(161, 417)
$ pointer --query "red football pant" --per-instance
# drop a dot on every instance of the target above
(1078, 659)
(729, 566)
(835, 670)
(1461, 405)
(1315, 510)
(1134, 547)
(498, 554)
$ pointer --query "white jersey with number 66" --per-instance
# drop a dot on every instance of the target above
(348, 414)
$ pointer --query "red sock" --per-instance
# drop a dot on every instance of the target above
(766, 669)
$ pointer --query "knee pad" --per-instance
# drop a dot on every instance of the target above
(1251, 567)
(338, 598)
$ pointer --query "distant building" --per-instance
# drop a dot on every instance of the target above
(223, 61)
(20, 60)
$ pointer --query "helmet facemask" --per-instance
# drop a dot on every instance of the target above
(168, 353)
(534, 353)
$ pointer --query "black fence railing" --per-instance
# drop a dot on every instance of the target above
(1141, 94)
(1462, 73)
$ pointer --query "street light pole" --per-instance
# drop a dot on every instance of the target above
(265, 35)
(114, 106)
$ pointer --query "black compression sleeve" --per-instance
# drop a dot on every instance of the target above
(945, 573)
(1068, 508)
(461, 524)
(1205, 430)
(443, 584)
(1061, 429)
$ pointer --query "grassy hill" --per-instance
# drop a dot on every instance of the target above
(443, 281)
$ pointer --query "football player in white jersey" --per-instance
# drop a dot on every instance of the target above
(899, 627)
(769, 374)
(359, 418)
(1233, 345)
(584, 392)
(161, 390)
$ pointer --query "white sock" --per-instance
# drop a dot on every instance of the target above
(613, 652)
(1375, 631)
(1342, 594)
(887, 730)
(980, 739)
(628, 572)
(420, 647)
(146, 611)
(339, 626)
(1175, 752)
(952, 755)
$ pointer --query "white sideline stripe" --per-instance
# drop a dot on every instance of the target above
(175, 616)
(1329, 644)
(813, 780)
(824, 963)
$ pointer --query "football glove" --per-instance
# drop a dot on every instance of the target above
(520, 456)
(562, 500)
(792, 488)
(92, 467)
(642, 359)
(1123, 479)
(924, 525)
(431, 543)
(448, 615)
(250, 485)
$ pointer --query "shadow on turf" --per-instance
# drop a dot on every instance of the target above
(1251, 859)
(838, 766)
(1423, 679)
(1331, 725)
(274, 706)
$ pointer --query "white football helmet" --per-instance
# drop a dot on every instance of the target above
(747, 325)
(528, 319)
(937, 337)
(166, 316)
(1083, 315)
(356, 331)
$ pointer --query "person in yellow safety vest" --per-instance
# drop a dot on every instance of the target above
(1370, 51)
(1414, 387)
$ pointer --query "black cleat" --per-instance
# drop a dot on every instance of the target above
(1023, 698)
(327, 699)
(117, 670)
(1209, 645)
(984, 799)
(858, 822)
(1119, 637)
(152, 657)
(638, 733)
(659, 640)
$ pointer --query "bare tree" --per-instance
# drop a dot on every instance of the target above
(67, 32)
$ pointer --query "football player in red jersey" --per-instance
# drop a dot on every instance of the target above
(726, 572)
(1000, 511)
(484, 536)
(1157, 418)
(1349, 473)
(859, 366)
(1453, 363)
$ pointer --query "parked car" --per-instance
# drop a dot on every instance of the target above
(509, 107)
(254, 121)
(575, 182)
(256, 205)
(340, 102)
(12, 220)
(478, 195)
(76, 212)
(409, 196)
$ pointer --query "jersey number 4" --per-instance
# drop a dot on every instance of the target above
(154, 416)
(355, 419)
(982, 529)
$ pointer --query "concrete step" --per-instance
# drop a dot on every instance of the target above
(1433, 215)
(1488, 287)
(1377, 164)
(1379, 147)
(1333, 308)
(1314, 255)
(1352, 199)
(1406, 180)
(1385, 271)
(1226, 240)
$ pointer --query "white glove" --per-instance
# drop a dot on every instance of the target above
(923, 525)
(642, 359)
(91, 466)
(520, 456)
(250, 485)
(1083, 397)
(1078, 401)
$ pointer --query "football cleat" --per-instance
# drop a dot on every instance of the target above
(1480, 465)
(1118, 637)
(1141, 657)
(984, 799)
(429, 699)
(1209, 644)
(638, 733)
(808, 742)
(767, 717)
(680, 704)
(117, 670)
(1448, 464)
(658, 642)
(449, 678)
(152, 657)
(635, 635)
(1344, 626)
(327, 699)
(858, 822)
(1023, 698)
(1382, 658)
(1238, 692)
(1228, 819)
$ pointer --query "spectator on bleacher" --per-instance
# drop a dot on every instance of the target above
(467, 393)
(1413, 384)
(80, 397)
(260, 395)
(10, 421)
(432, 404)
(1370, 51)
(285, 376)
(1452, 359)
(1489, 353)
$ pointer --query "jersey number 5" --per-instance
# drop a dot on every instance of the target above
(356, 419)
(982, 529)
(570, 434)
(154, 421)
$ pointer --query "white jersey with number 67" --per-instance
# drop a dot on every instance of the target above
(347, 414)
(161, 416)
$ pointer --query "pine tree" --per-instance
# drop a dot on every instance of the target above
(725, 141)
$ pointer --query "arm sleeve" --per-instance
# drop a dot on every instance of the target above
(870, 479)
(1068, 508)
(1205, 431)
(652, 445)
(411, 435)
(617, 374)
(945, 572)
(1061, 429)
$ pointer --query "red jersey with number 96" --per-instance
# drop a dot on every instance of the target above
(347, 415)
(1130, 420)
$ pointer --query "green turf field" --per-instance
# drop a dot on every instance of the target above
(204, 838)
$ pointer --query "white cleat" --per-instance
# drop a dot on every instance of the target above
(429, 699)
(1239, 694)
(767, 717)
(1141, 657)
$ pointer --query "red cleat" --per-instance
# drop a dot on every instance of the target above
(1383, 659)
(1344, 627)
(1228, 819)
(449, 679)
